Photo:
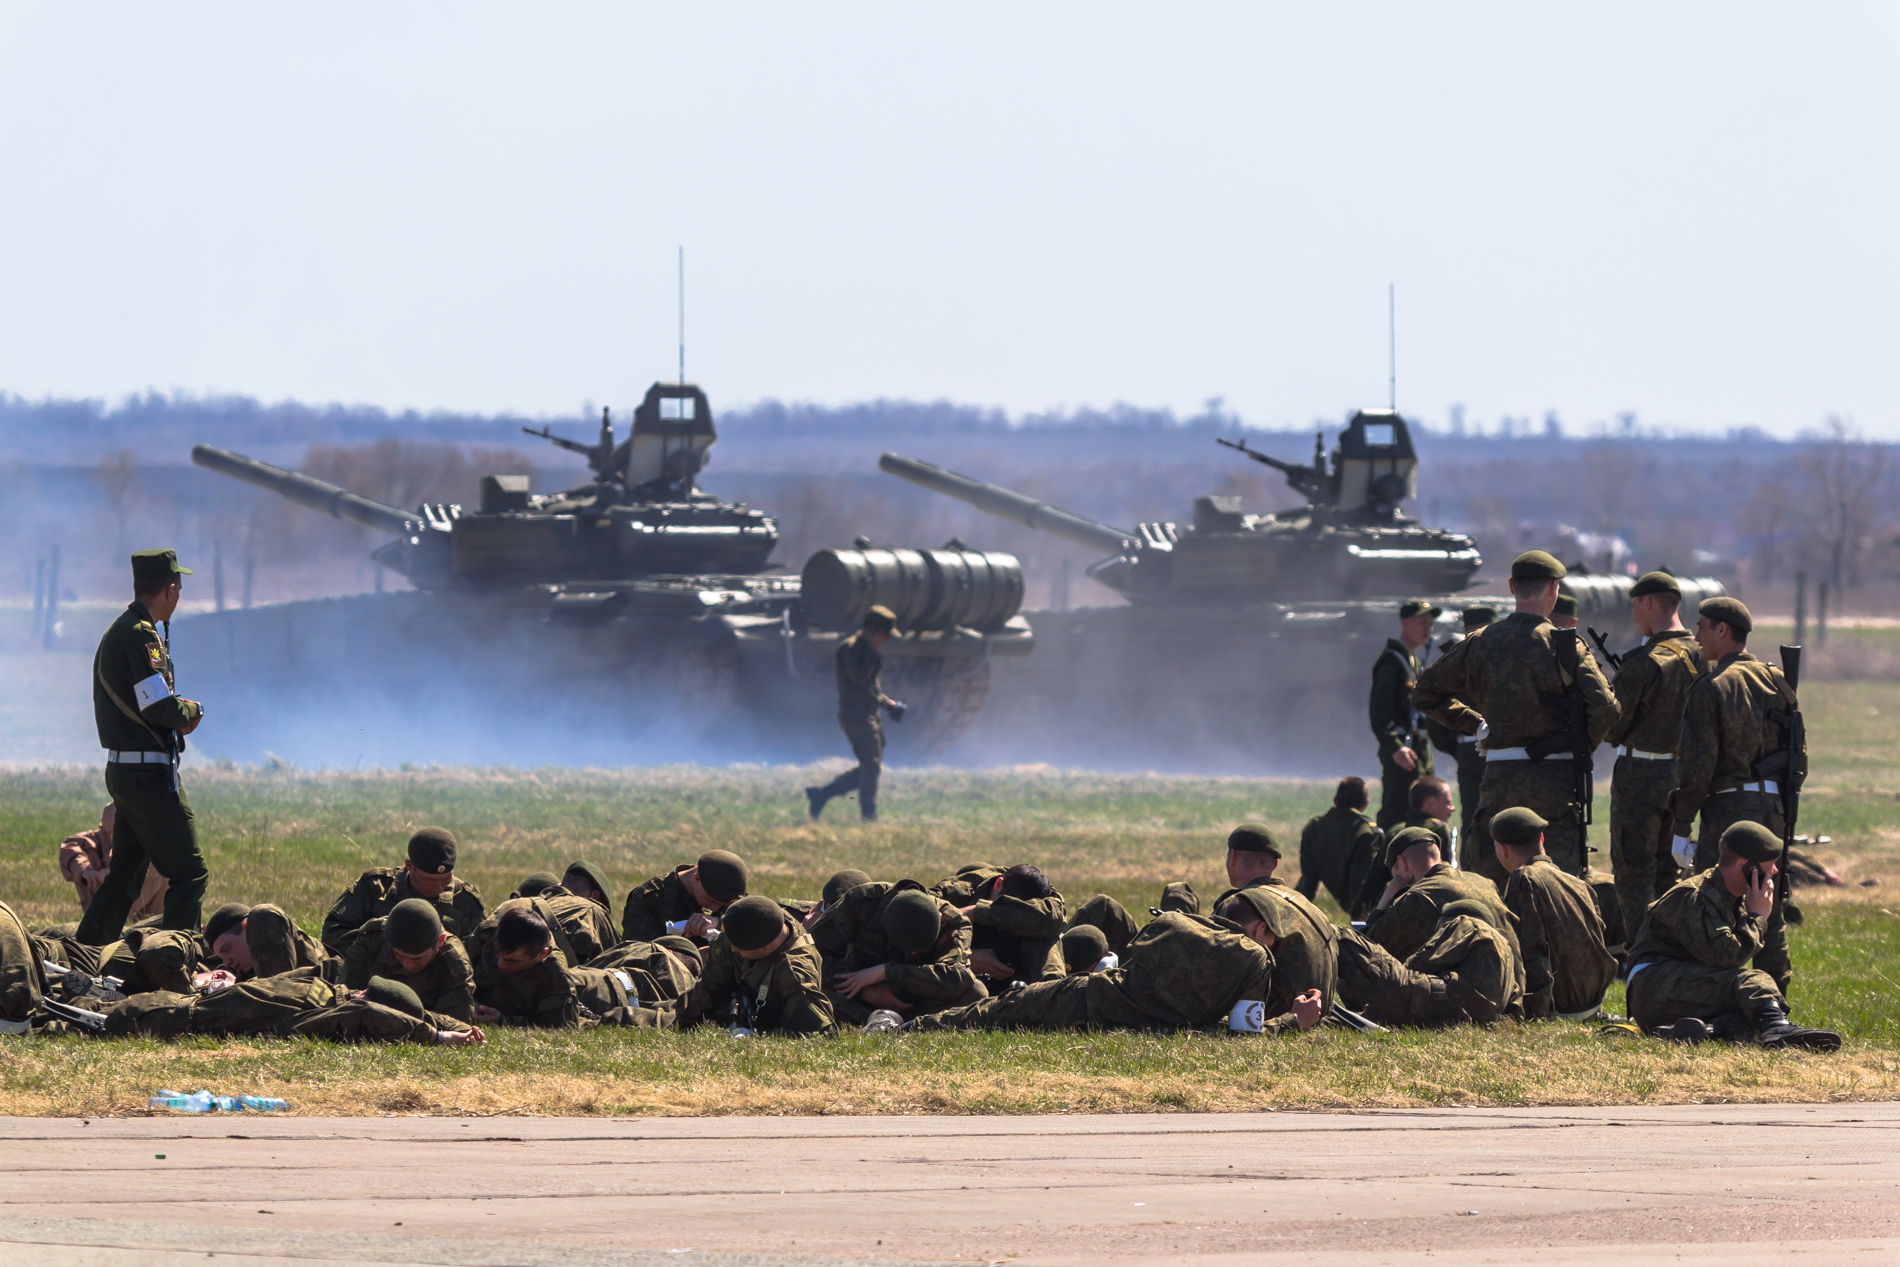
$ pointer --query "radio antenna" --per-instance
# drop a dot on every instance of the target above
(682, 314)
(1392, 343)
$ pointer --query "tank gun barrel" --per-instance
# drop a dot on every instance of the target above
(1308, 481)
(304, 490)
(1004, 504)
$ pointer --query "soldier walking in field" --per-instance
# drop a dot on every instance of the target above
(860, 698)
(1404, 754)
(1518, 695)
(1652, 689)
(142, 726)
(1727, 732)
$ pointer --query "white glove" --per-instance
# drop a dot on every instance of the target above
(1249, 1016)
(1684, 851)
(1483, 732)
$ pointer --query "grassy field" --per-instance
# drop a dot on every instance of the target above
(297, 838)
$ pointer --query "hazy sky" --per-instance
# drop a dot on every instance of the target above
(1685, 210)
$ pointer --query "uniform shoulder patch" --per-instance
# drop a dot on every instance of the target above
(156, 654)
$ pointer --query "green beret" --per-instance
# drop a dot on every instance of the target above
(1468, 906)
(1655, 583)
(1536, 565)
(881, 618)
(223, 920)
(1566, 605)
(751, 923)
(395, 995)
(1408, 837)
(1253, 838)
(842, 883)
(432, 849)
(1478, 616)
(1274, 913)
(596, 878)
(412, 927)
(1083, 947)
(1517, 827)
(1418, 607)
(154, 569)
(911, 922)
(535, 883)
(1728, 611)
(1752, 841)
(1180, 896)
(723, 875)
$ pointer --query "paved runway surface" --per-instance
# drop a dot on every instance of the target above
(1698, 1185)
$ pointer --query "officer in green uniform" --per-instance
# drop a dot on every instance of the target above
(1463, 749)
(1652, 689)
(860, 697)
(1516, 689)
(1404, 753)
(142, 724)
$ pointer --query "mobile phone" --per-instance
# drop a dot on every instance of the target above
(1752, 873)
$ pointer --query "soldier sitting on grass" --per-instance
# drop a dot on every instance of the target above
(1422, 886)
(1559, 928)
(522, 981)
(1016, 917)
(409, 946)
(1467, 971)
(895, 948)
(687, 900)
(428, 873)
(763, 975)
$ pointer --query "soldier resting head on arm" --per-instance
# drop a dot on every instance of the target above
(686, 901)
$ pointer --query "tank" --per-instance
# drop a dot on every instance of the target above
(631, 607)
(1245, 641)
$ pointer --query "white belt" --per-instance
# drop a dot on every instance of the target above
(1522, 754)
(139, 758)
(1769, 786)
(1624, 750)
(1467, 739)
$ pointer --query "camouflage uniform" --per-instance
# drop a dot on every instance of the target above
(294, 1004)
(154, 959)
(1307, 958)
(1504, 672)
(22, 980)
(860, 696)
(446, 985)
(1566, 967)
(581, 927)
(137, 713)
(1406, 926)
(376, 893)
(1692, 957)
(783, 993)
(1396, 724)
(1652, 688)
(1725, 731)
(1105, 913)
(1022, 932)
(1182, 972)
(1338, 849)
(663, 900)
(1466, 971)
(851, 937)
(278, 946)
(658, 974)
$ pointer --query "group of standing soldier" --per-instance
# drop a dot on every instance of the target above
(1698, 724)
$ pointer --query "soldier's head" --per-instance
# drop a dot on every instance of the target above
(414, 934)
(912, 923)
(1477, 616)
(840, 883)
(522, 940)
(108, 816)
(1654, 601)
(1252, 853)
(1083, 948)
(1721, 627)
(1747, 848)
(1431, 795)
(1411, 852)
(1415, 622)
(1351, 793)
(1260, 914)
(157, 581)
(224, 936)
(1024, 881)
(879, 624)
(756, 927)
(717, 880)
(1563, 612)
(584, 879)
(1517, 834)
(1534, 577)
(431, 862)
(1467, 908)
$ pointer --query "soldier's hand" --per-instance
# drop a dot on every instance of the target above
(1759, 891)
(1395, 886)
(1405, 759)
(985, 963)
(470, 1037)
(1307, 1009)
(853, 982)
(483, 1012)
(192, 725)
(702, 926)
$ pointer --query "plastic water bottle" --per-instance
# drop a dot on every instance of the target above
(205, 1102)
(202, 1102)
(263, 1103)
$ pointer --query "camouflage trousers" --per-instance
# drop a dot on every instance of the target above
(1641, 827)
(1665, 991)
(1373, 982)
(1543, 787)
(850, 1011)
(866, 735)
(274, 940)
(1721, 812)
(1085, 1001)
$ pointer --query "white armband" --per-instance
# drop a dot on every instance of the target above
(152, 690)
(1249, 1016)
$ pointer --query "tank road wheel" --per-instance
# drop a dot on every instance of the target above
(944, 696)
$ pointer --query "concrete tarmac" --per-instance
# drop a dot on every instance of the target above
(1713, 1186)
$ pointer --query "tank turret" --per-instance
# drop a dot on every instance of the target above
(1349, 541)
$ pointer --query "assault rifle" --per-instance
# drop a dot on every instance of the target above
(1784, 767)
(1614, 661)
(1571, 707)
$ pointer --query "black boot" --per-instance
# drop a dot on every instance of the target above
(1690, 1029)
(816, 797)
(1775, 1030)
